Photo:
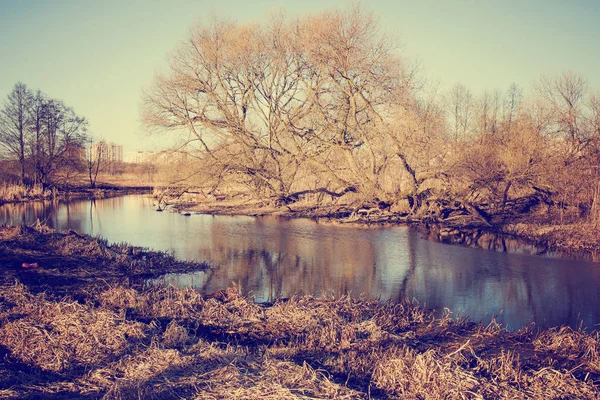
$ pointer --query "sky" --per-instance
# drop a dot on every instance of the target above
(98, 56)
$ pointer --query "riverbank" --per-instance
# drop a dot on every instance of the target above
(582, 237)
(22, 194)
(70, 263)
(81, 323)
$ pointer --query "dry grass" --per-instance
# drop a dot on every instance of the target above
(406, 373)
(164, 343)
(119, 340)
(13, 193)
(75, 264)
(58, 336)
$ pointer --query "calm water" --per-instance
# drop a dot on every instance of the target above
(272, 258)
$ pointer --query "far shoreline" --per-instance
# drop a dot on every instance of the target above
(81, 193)
(573, 241)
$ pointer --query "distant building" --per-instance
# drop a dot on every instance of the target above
(116, 152)
(139, 157)
(152, 157)
(110, 152)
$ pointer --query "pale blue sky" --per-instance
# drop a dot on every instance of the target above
(97, 56)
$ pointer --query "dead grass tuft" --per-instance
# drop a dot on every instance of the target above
(142, 375)
(271, 380)
(408, 374)
(119, 298)
(57, 336)
(175, 335)
(573, 345)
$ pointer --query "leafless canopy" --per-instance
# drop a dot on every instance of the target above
(327, 104)
(289, 105)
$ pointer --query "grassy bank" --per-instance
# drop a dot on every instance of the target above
(12, 193)
(577, 237)
(75, 327)
(75, 264)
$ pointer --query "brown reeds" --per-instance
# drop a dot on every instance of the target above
(57, 336)
(122, 341)
(13, 193)
(164, 342)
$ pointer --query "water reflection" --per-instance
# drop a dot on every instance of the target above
(271, 258)
(484, 239)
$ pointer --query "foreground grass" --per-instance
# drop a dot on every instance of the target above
(121, 340)
(175, 343)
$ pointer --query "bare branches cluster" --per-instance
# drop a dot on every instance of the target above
(327, 104)
(42, 134)
(287, 106)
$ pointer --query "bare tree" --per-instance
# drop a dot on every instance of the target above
(37, 113)
(460, 104)
(566, 95)
(286, 106)
(95, 160)
(63, 139)
(44, 135)
(512, 104)
(419, 143)
(594, 116)
(488, 108)
(14, 124)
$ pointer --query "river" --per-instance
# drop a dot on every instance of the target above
(272, 258)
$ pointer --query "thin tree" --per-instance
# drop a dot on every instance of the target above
(461, 108)
(37, 114)
(95, 160)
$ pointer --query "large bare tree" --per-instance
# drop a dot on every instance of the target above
(326, 104)
(287, 107)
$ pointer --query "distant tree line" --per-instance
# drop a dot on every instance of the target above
(44, 136)
(326, 105)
